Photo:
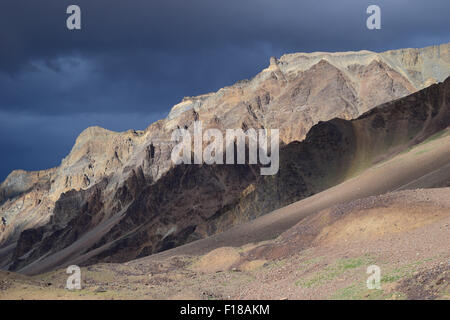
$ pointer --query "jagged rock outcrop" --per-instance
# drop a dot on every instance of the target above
(124, 186)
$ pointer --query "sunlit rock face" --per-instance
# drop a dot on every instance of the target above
(115, 183)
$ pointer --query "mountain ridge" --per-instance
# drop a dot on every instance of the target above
(283, 95)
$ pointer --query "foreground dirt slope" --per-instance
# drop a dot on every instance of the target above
(325, 256)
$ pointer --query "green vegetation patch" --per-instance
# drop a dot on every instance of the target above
(309, 262)
(403, 271)
(328, 273)
(359, 291)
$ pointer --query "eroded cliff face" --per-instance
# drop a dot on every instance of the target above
(124, 186)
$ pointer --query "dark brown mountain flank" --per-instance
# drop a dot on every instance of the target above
(117, 196)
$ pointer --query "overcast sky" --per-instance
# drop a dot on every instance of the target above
(134, 59)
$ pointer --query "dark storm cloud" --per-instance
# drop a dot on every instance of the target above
(146, 54)
(133, 59)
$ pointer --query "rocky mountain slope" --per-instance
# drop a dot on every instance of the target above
(121, 193)
(333, 152)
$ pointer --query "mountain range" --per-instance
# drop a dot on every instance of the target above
(118, 197)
